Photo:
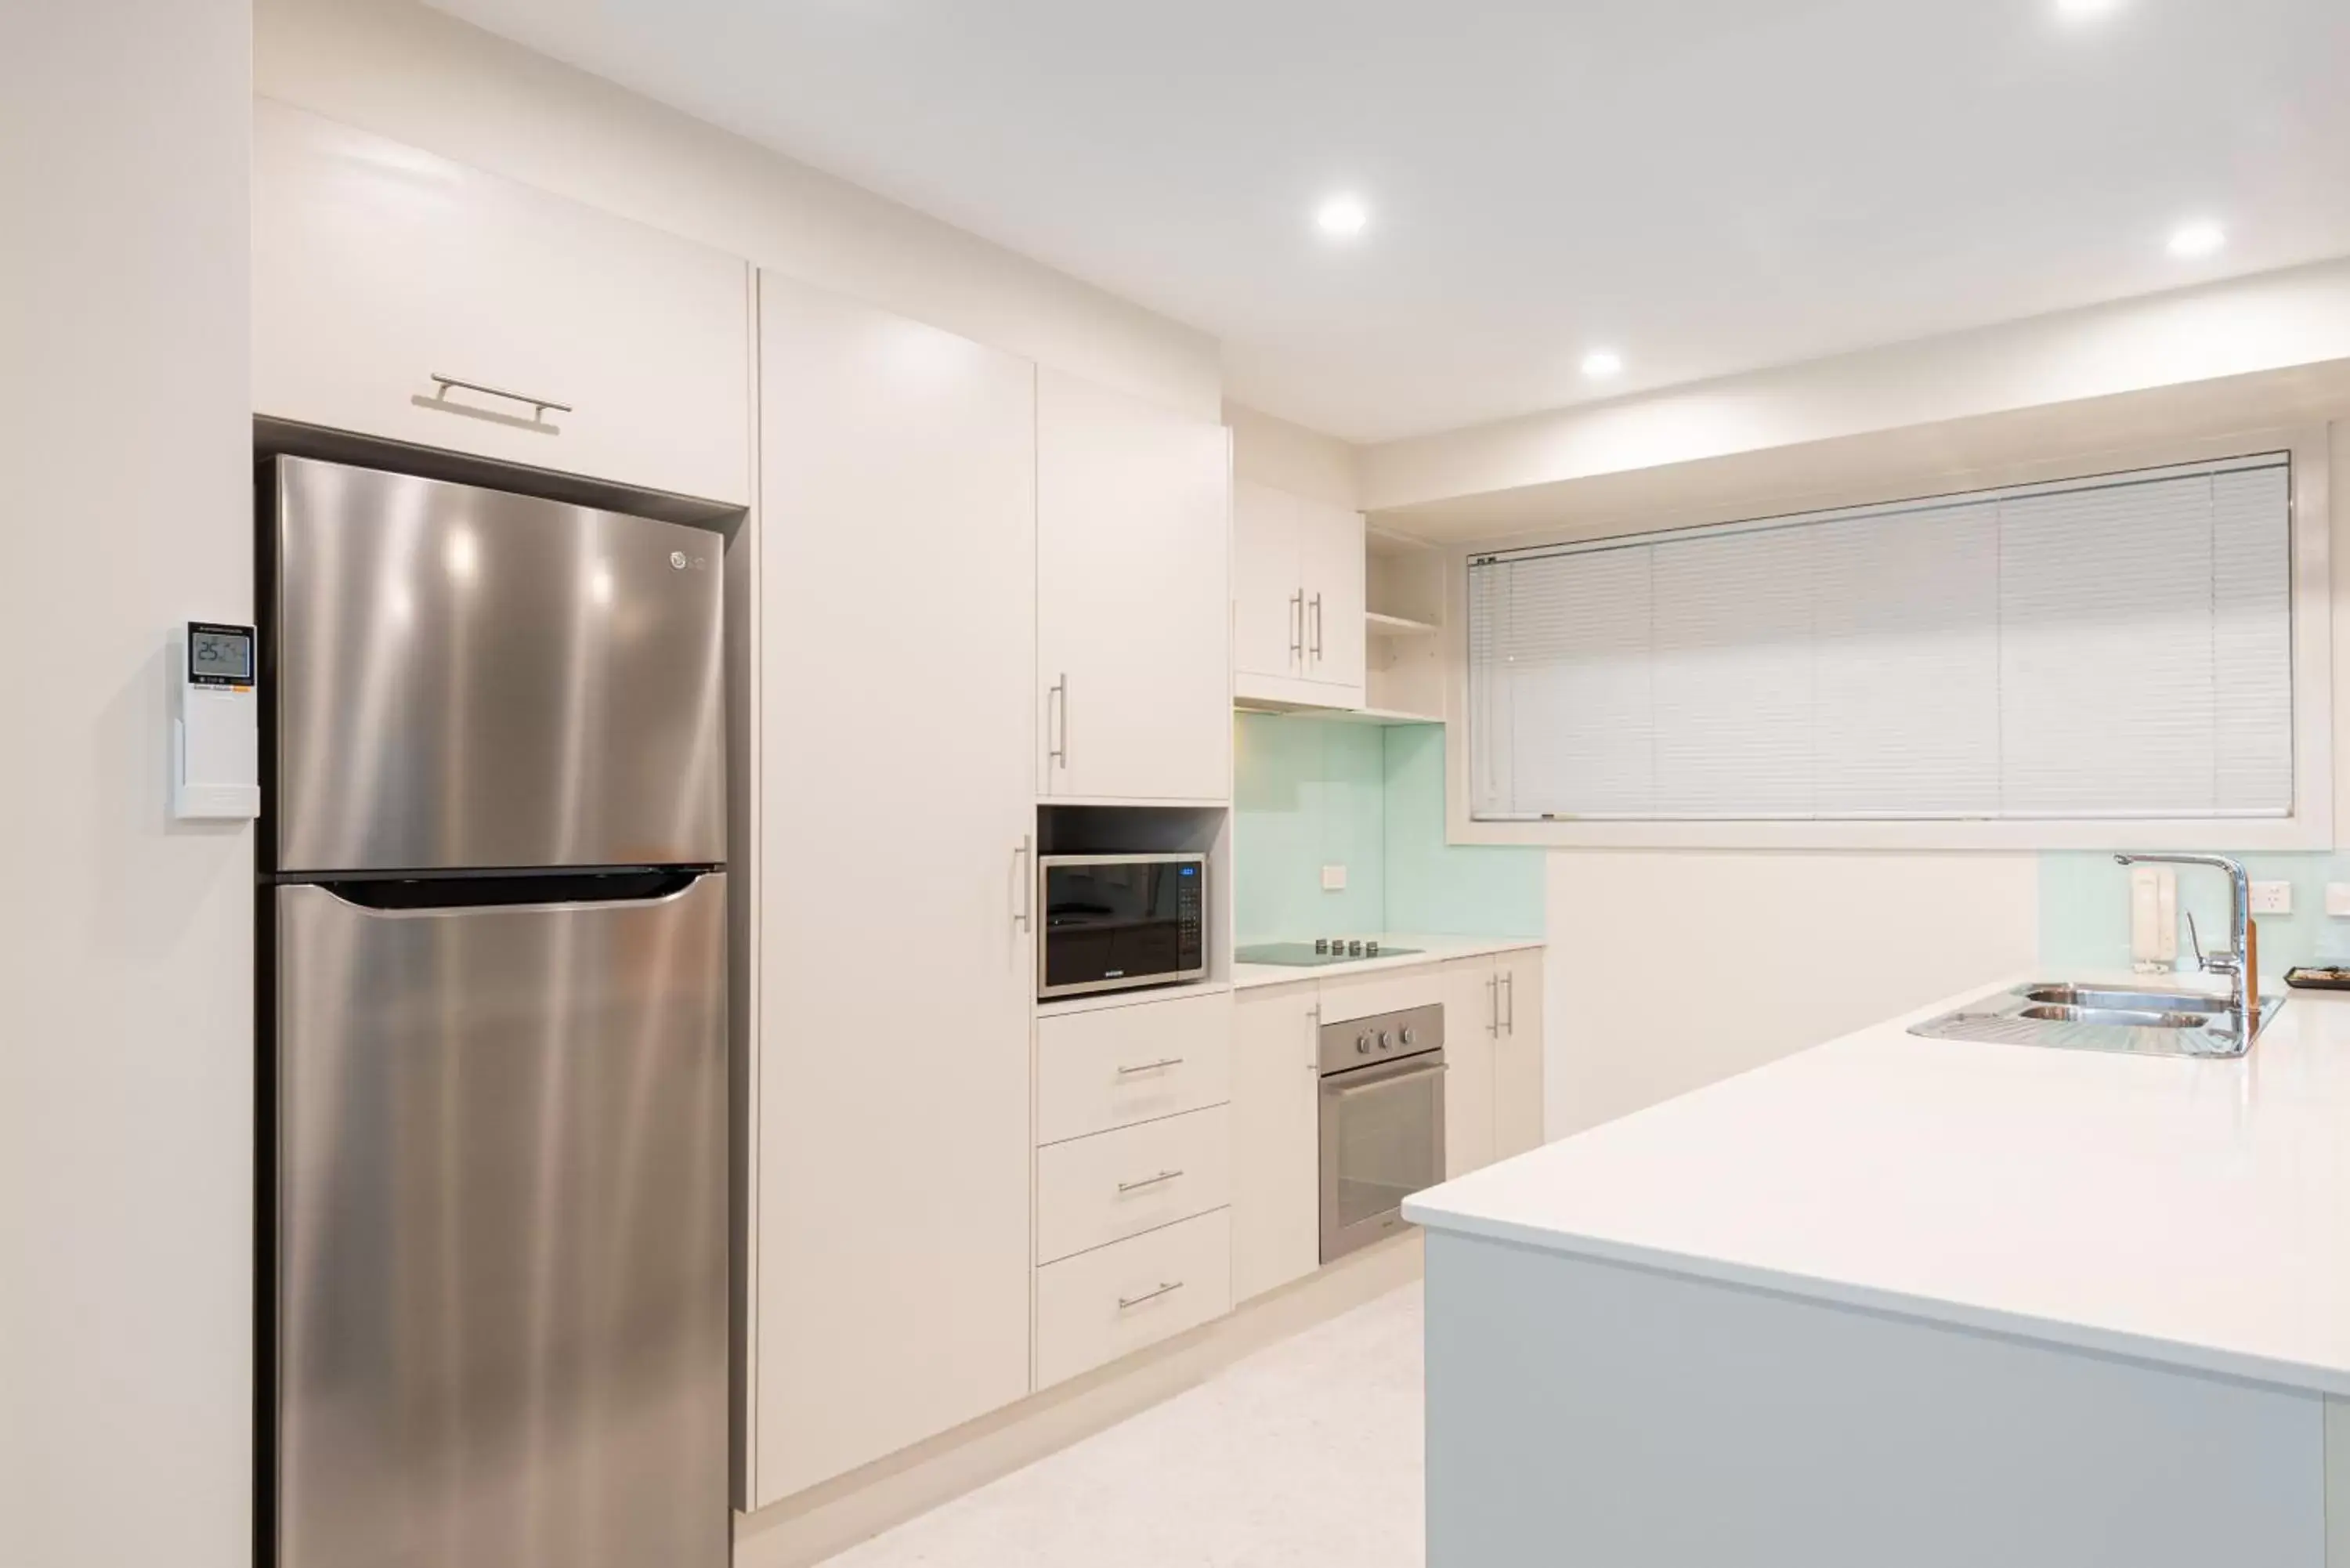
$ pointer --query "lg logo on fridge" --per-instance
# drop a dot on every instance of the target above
(679, 561)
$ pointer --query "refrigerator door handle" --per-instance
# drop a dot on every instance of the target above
(396, 898)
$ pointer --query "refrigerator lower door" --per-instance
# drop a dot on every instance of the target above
(501, 1233)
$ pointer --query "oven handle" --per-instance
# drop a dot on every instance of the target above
(1362, 1080)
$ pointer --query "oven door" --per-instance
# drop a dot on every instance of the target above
(1382, 1140)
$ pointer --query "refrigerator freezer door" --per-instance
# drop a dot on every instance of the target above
(463, 678)
(502, 1232)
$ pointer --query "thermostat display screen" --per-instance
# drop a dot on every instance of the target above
(220, 655)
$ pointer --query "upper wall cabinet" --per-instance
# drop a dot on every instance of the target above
(1133, 552)
(1297, 599)
(398, 294)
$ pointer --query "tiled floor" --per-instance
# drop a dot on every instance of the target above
(1305, 1455)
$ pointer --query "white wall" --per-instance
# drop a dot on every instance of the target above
(1669, 970)
(126, 946)
(1286, 456)
(395, 68)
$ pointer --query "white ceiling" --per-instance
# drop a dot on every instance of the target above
(1707, 185)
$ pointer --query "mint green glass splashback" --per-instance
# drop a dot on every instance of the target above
(2085, 910)
(1310, 793)
(1306, 792)
(1452, 889)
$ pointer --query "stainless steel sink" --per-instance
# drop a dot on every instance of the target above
(2149, 1021)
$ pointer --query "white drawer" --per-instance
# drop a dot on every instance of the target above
(1100, 1305)
(1113, 1184)
(1118, 1065)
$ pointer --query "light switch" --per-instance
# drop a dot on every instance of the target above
(2271, 897)
(1334, 878)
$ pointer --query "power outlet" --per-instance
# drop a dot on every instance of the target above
(1334, 878)
(2337, 898)
(2271, 897)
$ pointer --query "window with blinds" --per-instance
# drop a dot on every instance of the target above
(2118, 648)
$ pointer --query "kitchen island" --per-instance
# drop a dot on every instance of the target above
(1901, 1300)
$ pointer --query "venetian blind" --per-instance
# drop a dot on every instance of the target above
(2112, 647)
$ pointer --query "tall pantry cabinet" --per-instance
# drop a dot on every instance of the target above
(979, 586)
(890, 1141)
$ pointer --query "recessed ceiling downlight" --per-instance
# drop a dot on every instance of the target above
(2081, 10)
(2200, 238)
(1342, 216)
(1602, 363)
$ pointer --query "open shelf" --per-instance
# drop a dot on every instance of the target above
(1397, 626)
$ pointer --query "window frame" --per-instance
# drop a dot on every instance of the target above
(2310, 825)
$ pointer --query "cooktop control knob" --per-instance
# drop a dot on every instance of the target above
(1362, 1045)
(1410, 1038)
(1387, 1041)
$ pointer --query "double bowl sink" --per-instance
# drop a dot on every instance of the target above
(2146, 1020)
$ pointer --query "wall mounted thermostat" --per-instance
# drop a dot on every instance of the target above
(216, 729)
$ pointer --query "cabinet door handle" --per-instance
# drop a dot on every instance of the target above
(539, 406)
(1298, 626)
(1510, 994)
(1317, 628)
(1165, 1289)
(1164, 1176)
(1057, 703)
(1151, 1066)
(1021, 859)
(1492, 1005)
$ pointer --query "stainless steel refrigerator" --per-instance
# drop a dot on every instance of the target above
(493, 993)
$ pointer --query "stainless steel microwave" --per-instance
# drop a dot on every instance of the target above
(1116, 921)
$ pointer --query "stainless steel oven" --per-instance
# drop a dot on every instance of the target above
(1116, 921)
(1382, 1121)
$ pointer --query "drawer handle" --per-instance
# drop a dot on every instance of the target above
(538, 406)
(1126, 1302)
(1150, 1066)
(1148, 1182)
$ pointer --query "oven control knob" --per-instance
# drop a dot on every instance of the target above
(1362, 1045)
(1387, 1041)
(1408, 1037)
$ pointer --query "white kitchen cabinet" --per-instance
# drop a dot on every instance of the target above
(1100, 1305)
(1470, 995)
(1330, 559)
(1297, 599)
(1268, 595)
(1518, 1053)
(1276, 1139)
(1091, 1191)
(385, 279)
(1133, 571)
(1114, 1066)
(890, 1152)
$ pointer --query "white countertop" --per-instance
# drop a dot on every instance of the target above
(1431, 950)
(2195, 1212)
